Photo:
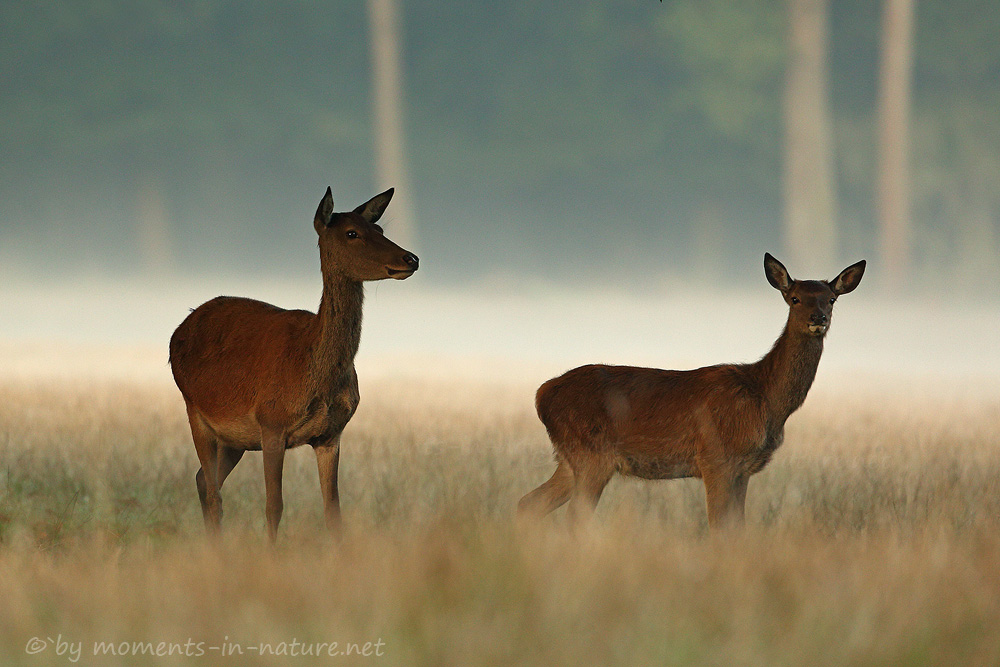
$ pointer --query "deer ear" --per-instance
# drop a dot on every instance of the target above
(372, 209)
(776, 273)
(324, 212)
(848, 279)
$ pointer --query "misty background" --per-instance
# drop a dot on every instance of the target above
(594, 180)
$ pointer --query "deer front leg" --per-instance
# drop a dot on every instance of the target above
(274, 460)
(328, 462)
(725, 496)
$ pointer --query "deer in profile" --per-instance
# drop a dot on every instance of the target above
(258, 377)
(720, 423)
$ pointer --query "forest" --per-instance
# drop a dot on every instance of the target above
(648, 137)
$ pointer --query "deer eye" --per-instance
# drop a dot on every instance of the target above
(794, 300)
(351, 234)
(832, 300)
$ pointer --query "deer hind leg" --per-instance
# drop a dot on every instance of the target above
(592, 475)
(550, 495)
(207, 477)
(725, 496)
(228, 458)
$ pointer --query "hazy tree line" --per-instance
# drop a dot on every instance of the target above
(575, 140)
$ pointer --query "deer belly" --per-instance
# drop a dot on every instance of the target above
(655, 468)
(239, 433)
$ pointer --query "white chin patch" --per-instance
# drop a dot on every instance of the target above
(817, 330)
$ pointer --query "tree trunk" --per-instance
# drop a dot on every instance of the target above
(809, 188)
(390, 153)
(894, 141)
(156, 256)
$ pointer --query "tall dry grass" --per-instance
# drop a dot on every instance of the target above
(871, 539)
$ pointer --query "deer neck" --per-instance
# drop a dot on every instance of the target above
(788, 371)
(337, 330)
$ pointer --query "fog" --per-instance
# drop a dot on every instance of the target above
(589, 181)
(506, 333)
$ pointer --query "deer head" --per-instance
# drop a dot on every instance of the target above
(810, 302)
(351, 244)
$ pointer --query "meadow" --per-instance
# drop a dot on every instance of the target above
(872, 538)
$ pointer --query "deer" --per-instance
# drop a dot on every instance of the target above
(256, 377)
(719, 423)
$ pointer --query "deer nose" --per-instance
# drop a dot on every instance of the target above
(818, 318)
(411, 260)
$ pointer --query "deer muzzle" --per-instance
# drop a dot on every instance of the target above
(409, 264)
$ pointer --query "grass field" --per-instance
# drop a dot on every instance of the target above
(872, 538)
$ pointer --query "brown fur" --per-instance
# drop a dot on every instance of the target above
(258, 377)
(720, 423)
